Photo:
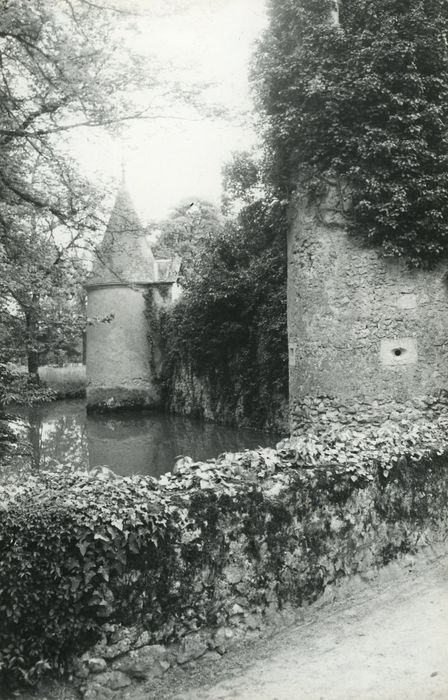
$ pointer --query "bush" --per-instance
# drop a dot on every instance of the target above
(17, 386)
(79, 550)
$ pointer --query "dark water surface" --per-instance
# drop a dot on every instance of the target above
(127, 442)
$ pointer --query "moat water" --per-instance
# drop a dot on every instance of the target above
(127, 442)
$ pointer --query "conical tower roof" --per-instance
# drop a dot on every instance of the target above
(124, 255)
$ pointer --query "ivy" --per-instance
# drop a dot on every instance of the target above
(80, 550)
(366, 101)
(229, 327)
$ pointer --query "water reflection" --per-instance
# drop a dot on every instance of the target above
(129, 442)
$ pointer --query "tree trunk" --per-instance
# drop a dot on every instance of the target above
(31, 352)
(33, 363)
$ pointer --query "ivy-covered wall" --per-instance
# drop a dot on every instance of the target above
(215, 545)
(218, 399)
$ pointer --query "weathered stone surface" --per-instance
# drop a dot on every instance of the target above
(114, 680)
(271, 613)
(114, 650)
(222, 639)
(154, 652)
(236, 609)
(95, 691)
(120, 634)
(141, 670)
(122, 640)
(253, 621)
(358, 339)
(195, 395)
(80, 670)
(143, 640)
(146, 662)
(96, 664)
(138, 670)
(192, 647)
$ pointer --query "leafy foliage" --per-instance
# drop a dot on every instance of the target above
(7, 437)
(364, 100)
(190, 224)
(242, 180)
(42, 315)
(81, 549)
(230, 324)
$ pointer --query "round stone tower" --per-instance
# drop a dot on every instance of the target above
(368, 338)
(122, 360)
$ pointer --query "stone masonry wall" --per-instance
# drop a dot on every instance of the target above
(123, 374)
(368, 338)
(199, 396)
(206, 552)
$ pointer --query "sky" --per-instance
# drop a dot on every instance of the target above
(171, 159)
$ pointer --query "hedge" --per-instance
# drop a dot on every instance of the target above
(256, 529)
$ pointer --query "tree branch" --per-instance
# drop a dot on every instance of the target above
(91, 123)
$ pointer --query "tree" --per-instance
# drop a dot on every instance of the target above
(242, 181)
(230, 323)
(191, 224)
(61, 69)
(42, 310)
(365, 101)
(64, 68)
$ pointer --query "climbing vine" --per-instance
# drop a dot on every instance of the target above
(365, 100)
(153, 316)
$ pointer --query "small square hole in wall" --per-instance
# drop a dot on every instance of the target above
(407, 300)
(398, 351)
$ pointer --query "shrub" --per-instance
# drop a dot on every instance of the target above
(17, 386)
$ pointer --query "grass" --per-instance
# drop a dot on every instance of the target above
(69, 380)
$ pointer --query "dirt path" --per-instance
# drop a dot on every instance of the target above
(387, 641)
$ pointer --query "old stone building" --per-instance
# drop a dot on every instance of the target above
(368, 338)
(122, 358)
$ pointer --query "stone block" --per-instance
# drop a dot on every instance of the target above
(407, 300)
(113, 680)
(191, 648)
(95, 691)
(97, 664)
(396, 352)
